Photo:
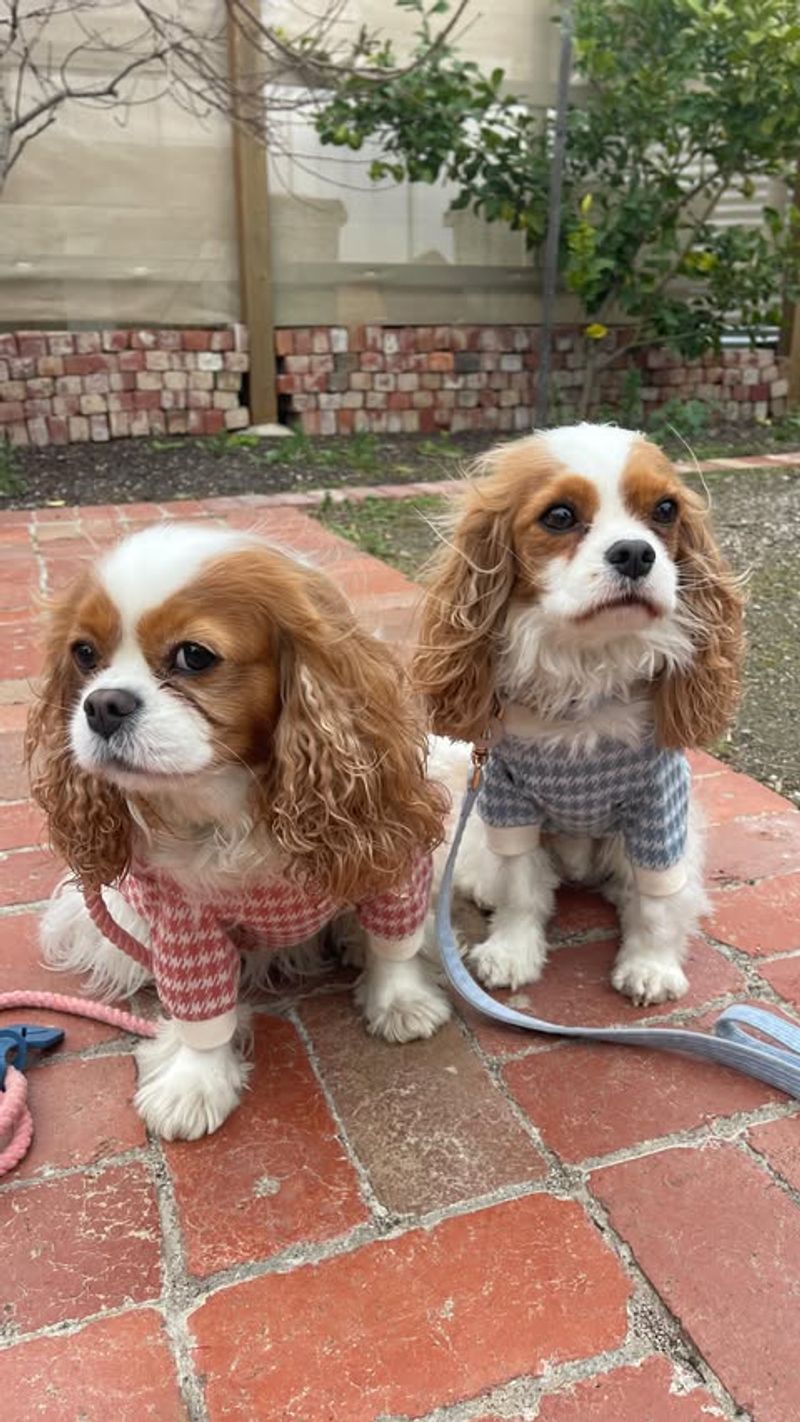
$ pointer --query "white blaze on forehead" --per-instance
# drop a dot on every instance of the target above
(151, 566)
(597, 452)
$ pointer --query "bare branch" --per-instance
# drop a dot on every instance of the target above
(23, 142)
(192, 61)
(300, 55)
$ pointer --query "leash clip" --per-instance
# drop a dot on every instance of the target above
(17, 1041)
(480, 755)
(482, 747)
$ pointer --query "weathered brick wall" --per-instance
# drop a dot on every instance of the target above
(63, 387)
(59, 387)
(413, 379)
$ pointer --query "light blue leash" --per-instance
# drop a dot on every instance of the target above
(727, 1044)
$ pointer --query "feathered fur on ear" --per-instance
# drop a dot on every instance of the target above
(345, 791)
(89, 824)
(695, 705)
(467, 594)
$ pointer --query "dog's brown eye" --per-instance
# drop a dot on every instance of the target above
(193, 657)
(559, 518)
(84, 656)
(666, 511)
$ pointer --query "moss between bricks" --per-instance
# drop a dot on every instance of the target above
(757, 517)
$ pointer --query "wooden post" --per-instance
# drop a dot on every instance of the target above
(252, 220)
(789, 344)
(793, 353)
(550, 267)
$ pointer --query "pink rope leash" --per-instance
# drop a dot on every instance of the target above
(16, 1122)
(113, 931)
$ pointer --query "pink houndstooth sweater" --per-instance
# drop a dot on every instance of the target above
(195, 946)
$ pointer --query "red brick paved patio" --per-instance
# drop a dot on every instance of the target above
(478, 1227)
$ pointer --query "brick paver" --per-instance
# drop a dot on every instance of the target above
(416, 1321)
(274, 1175)
(400, 1232)
(723, 1250)
(118, 1367)
(647, 1393)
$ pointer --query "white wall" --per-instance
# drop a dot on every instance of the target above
(104, 221)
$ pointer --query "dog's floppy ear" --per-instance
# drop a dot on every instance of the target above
(467, 594)
(695, 705)
(88, 821)
(345, 793)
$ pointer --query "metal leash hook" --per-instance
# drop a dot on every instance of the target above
(483, 745)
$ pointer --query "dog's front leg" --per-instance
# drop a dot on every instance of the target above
(521, 887)
(397, 991)
(657, 926)
(192, 1075)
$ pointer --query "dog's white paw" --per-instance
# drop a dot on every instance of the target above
(509, 959)
(400, 1001)
(185, 1093)
(647, 981)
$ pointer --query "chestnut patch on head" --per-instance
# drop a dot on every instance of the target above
(87, 627)
(653, 493)
(554, 515)
(216, 645)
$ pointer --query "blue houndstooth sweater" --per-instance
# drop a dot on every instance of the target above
(639, 792)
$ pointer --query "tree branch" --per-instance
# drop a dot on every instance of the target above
(90, 95)
(318, 65)
(195, 61)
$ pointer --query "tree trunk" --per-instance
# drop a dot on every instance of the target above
(589, 377)
(5, 137)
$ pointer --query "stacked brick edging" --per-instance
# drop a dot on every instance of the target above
(64, 387)
(420, 379)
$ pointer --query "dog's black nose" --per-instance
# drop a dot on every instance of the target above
(106, 711)
(631, 557)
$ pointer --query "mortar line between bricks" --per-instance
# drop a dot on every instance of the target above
(493, 1070)
(178, 1290)
(41, 564)
(758, 1157)
(720, 1128)
(759, 988)
(573, 1183)
(376, 1209)
(91, 1168)
(680, 1017)
(566, 1178)
(522, 1396)
(13, 910)
(123, 1046)
(652, 1321)
(297, 1256)
(67, 1328)
(576, 1181)
(748, 963)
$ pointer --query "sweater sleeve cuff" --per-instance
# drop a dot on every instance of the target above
(396, 950)
(213, 1032)
(508, 840)
(660, 883)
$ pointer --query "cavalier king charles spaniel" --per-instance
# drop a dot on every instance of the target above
(581, 614)
(226, 762)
